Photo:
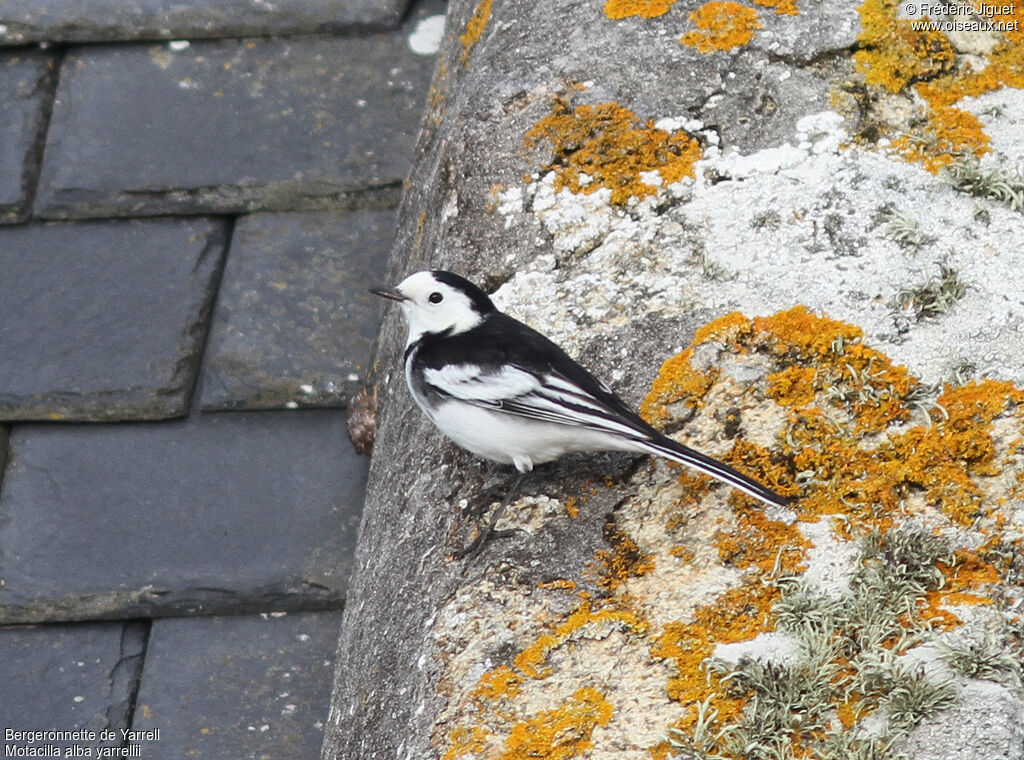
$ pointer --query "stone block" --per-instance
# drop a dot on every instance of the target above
(104, 321)
(26, 88)
(295, 325)
(249, 686)
(68, 678)
(223, 513)
(24, 21)
(234, 126)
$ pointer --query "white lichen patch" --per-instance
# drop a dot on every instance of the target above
(1002, 113)
(601, 655)
(799, 223)
(676, 585)
(530, 513)
(620, 667)
(766, 647)
(830, 561)
(975, 728)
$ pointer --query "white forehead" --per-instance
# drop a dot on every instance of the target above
(418, 288)
(419, 285)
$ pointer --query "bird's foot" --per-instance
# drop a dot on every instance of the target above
(474, 547)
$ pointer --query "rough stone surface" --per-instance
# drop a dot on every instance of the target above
(254, 686)
(812, 35)
(24, 21)
(986, 724)
(221, 513)
(67, 678)
(26, 80)
(105, 321)
(5, 435)
(775, 215)
(295, 325)
(831, 217)
(287, 125)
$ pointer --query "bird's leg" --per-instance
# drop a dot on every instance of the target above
(476, 507)
(477, 544)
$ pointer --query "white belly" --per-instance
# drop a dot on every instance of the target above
(518, 441)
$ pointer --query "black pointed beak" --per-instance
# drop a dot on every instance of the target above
(392, 293)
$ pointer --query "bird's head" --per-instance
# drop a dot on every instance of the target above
(438, 301)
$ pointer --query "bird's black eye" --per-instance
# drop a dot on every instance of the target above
(435, 297)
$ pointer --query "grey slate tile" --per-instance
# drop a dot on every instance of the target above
(233, 126)
(295, 325)
(220, 513)
(68, 678)
(26, 80)
(238, 687)
(104, 321)
(24, 21)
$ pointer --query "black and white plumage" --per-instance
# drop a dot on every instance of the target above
(506, 393)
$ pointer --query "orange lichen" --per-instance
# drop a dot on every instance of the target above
(793, 386)
(952, 133)
(787, 7)
(677, 382)
(531, 661)
(930, 609)
(607, 146)
(868, 384)
(760, 543)
(622, 561)
(739, 614)
(800, 334)
(465, 739)
(475, 27)
(848, 711)
(967, 581)
(560, 733)
(942, 459)
(894, 56)
(838, 390)
(559, 583)
(616, 9)
(721, 26)
(732, 328)
(968, 571)
(498, 683)
(682, 553)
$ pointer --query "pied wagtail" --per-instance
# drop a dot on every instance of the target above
(506, 393)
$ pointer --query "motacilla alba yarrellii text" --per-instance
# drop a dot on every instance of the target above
(506, 393)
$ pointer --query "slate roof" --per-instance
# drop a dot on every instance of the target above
(193, 199)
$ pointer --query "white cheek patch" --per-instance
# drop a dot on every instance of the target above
(454, 314)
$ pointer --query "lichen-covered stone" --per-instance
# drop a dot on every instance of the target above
(796, 205)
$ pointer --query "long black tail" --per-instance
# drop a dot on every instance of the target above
(665, 447)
